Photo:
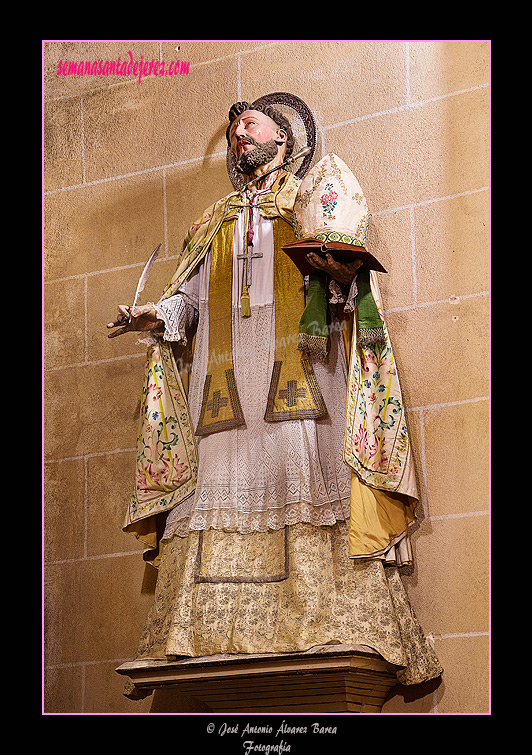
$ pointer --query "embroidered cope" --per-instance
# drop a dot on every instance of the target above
(376, 447)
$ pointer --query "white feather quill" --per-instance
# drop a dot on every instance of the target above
(144, 277)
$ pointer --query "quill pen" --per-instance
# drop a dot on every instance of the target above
(144, 277)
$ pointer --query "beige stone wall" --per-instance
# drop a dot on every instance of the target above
(128, 165)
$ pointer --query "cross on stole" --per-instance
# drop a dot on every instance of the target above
(216, 403)
(292, 393)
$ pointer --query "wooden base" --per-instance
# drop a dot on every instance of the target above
(324, 680)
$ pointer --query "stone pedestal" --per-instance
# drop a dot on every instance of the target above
(329, 679)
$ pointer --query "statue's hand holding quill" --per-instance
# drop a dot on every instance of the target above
(137, 318)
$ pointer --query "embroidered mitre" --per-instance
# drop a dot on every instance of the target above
(330, 205)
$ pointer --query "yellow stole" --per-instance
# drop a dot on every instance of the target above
(294, 392)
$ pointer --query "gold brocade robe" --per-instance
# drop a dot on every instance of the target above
(376, 446)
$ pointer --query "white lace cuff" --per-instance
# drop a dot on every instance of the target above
(349, 305)
(338, 296)
(177, 315)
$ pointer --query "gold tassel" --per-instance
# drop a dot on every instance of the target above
(245, 308)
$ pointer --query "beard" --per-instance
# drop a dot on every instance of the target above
(261, 155)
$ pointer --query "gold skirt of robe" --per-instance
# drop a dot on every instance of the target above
(281, 591)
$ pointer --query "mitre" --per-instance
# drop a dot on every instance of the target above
(330, 205)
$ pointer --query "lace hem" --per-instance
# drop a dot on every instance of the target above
(181, 521)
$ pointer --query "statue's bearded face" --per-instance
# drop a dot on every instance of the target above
(256, 140)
